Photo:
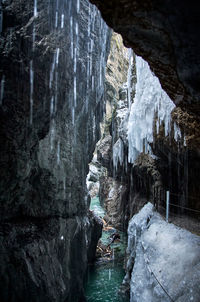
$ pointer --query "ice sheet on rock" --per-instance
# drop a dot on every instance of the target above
(130, 59)
(149, 99)
(118, 153)
(164, 260)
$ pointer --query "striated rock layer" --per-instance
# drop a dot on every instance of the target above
(51, 74)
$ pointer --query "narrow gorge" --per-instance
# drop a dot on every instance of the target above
(100, 136)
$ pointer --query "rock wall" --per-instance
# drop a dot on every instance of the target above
(53, 55)
(165, 34)
(116, 100)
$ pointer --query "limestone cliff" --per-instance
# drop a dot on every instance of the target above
(53, 55)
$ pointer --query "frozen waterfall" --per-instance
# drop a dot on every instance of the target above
(150, 100)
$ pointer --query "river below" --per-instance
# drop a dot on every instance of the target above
(106, 275)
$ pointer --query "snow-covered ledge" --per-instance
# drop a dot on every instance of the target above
(164, 260)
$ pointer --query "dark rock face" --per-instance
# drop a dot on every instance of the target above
(51, 74)
(165, 34)
(179, 170)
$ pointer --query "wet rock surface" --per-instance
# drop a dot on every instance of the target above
(51, 106)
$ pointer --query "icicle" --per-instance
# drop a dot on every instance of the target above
(91, 45)
(56, 21)
(71, 36)
(76, 31)
(185, 143)
(52, 106)
(149, 98)
(35, 8)
(75, 54)
(52, 71)
(75, 91)
(157, 126)
(118, 153)
(62, 20)
(2, 89)
(58, 153)
(78, 6)
(89, 20)
(52, 133)
(31, 91)
(92, 82)
(130, 59)
(94, 127)
(56, 91)
(73, 114)
(90, 65)
(86, 103)
(57, 55)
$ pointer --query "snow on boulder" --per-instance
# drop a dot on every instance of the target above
(164, 260)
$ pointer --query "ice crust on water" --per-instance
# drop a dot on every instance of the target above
(177, 132)
(149, 99)
(162, 250)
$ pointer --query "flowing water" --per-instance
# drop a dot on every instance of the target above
(105, 276)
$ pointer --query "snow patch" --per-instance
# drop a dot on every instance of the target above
(164, 260)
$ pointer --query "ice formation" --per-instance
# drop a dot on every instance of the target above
(118, 153)
(150, 99)
(2, 89)
(129, 87)
(35, 8)
(62, 20)
(31, 91)
(164, 260)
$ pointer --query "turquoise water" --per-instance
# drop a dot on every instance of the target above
(104, 278)
(96, 207)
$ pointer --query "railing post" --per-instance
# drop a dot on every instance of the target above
(167, 206)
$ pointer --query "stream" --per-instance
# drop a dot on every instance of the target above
(105, 276)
